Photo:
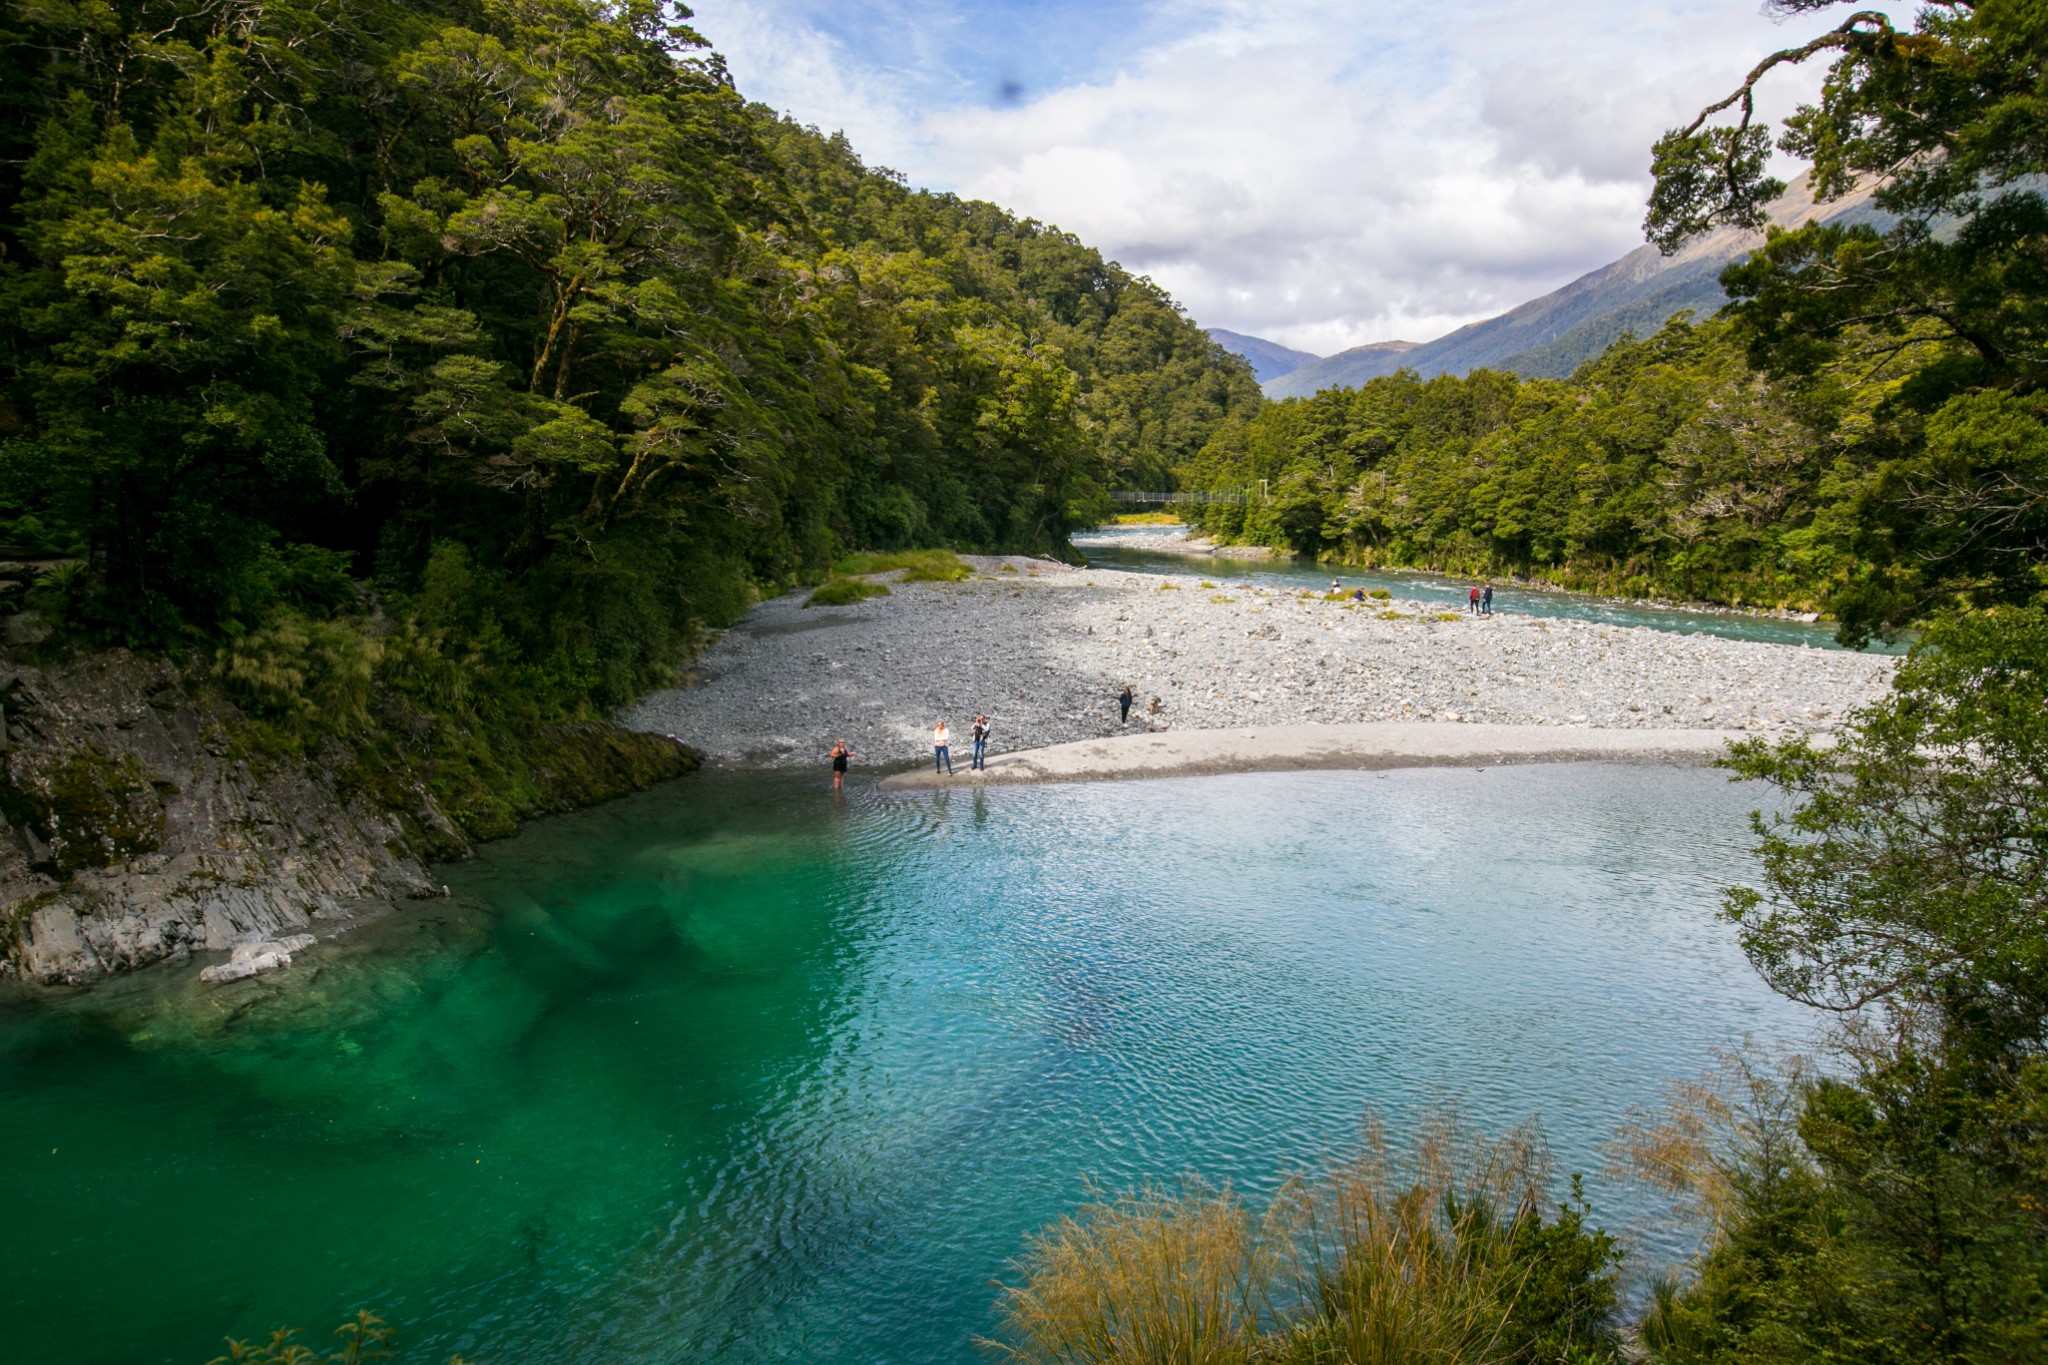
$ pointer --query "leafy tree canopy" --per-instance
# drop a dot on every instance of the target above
(1949, 302)
(530, 279)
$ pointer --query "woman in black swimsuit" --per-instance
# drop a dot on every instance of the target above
(840, 753)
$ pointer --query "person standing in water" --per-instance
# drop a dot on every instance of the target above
(840, 753)
(1486, 600)
(980, 742)
(941, 753)
(1123, 701)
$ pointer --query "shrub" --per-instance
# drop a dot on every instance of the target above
(295, 668)
(1444, 1257)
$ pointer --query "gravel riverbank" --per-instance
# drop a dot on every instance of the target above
(1044, 648)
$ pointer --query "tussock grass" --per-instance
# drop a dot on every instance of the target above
(1146, 1277)
(919, 566)
(1450, 616)
(1441, 1257)
(1147, 519)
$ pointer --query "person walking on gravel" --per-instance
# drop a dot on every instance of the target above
(980, 741)
(1486, 600)
(1123, 701)
(840, 753)
(941, 753)
(1472, 602)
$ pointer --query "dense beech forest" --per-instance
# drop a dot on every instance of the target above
(518, 313)
(1862, 430)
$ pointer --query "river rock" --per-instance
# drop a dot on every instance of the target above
(157, 838)
(1044, 649)
(252, 959)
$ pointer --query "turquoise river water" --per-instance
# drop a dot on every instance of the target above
(735, 1070)
(1137, 549)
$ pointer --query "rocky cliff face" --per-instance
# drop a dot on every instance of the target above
(141, 824)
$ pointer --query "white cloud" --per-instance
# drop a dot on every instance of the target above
(1322, 172)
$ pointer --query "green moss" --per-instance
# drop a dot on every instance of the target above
(845, 592)
(91, 808)
(919, 566)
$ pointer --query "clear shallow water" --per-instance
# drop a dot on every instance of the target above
(1135, 549)
(732, 1070)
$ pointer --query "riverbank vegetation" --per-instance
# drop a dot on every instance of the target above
(1667, 468)
(1446, 1254)
(480, 353)
(1863, 429)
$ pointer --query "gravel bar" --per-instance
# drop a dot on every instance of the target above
(1044, 649)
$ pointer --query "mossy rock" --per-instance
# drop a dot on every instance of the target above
(89, 808)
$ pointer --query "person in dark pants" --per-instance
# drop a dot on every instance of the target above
(840, 753)
(1123, 701)
(980, 741)
(1472, 601)
(941, 750)
(1486, 600)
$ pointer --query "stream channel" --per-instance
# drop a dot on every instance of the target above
(736, 1070)
(1162, 549)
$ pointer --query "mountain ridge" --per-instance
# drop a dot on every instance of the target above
(1269, 359)
(1552, 335)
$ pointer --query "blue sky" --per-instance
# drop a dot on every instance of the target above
(1322, 172)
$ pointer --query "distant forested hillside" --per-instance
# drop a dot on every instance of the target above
(1269, 359)
(519, 311)
(1667, 466)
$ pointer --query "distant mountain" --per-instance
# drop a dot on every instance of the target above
(1554, 335)
(1269, 359)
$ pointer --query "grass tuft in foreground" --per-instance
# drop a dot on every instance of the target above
(1443, 1257)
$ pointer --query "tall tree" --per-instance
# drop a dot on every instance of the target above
(1949, 302)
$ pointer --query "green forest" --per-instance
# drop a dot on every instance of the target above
(1862, 431)
(431, 375)
(516, 312)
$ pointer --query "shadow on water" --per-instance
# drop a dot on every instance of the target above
(736, 1069)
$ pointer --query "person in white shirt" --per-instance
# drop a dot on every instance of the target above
(941, 739)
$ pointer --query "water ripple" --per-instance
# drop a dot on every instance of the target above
(740, 1070)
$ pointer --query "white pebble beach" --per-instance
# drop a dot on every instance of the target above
(1043, 649)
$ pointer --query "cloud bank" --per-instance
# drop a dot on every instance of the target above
(1324, 172)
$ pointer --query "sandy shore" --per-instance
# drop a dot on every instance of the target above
(1293, 748)
(1043, 649)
